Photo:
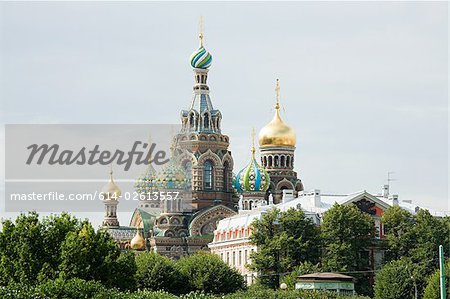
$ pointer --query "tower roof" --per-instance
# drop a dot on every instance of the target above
(111, 190)
(253, 177)
(277, 132)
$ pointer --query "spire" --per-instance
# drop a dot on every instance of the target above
(277, 94)
(253, 143)
(201, 59)
(111, 173)
(200, 30)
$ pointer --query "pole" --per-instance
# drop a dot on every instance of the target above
(442, 270)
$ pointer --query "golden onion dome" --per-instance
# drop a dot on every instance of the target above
(277, 133)
(138, 242)
(111, 190)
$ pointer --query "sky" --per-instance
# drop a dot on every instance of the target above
(364, 84)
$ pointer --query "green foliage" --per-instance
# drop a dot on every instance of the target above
(263, 293)
(398, 233)
(80, 289)
(208, 273)
(29, 249)
(301, 269)
(416, 237)
(395, 280)
(346, 234)
(284, 241)
(123, 272)
(33, 251)
(157, 272)
(432, 290)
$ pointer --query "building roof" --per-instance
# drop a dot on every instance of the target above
(313, 203)
(325, 276)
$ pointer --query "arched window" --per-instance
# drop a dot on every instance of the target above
(206, 121)
(191, 120)
(225, 176)
(208, 175)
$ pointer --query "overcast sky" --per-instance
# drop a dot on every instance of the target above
(364, 85)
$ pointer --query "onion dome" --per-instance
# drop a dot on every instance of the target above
(111, 190)
(201, 59)
(172, 176)
(138, 242)
(252, 178)
(146, 183)
(277, 133)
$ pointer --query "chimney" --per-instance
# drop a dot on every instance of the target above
(394, 199)
(317, 201)
(386, 191)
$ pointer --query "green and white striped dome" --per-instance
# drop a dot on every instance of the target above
(201, 59)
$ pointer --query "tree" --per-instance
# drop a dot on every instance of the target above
(30, 249)
(396, 280)
(346, 234)
(399, 236)
(284, 241)
(206, 272)
(88, 255)
(34, 251)
(432, 290)
(156, 272)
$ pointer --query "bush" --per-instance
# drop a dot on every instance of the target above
(156, 272)
(208, 273)
(264, 293)
(70, 289)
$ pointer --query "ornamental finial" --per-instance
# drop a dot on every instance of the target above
(200, 59)
(277, 93)
(253, 143)
(200, 30)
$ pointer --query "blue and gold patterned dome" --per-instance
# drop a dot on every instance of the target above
(201, 59)
(253, 178)
(146, 183)
(172, 176)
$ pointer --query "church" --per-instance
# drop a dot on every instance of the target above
(200, 170)
(214, 208)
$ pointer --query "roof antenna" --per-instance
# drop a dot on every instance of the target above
(387, 187)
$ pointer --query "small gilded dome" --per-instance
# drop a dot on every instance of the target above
(111, 190)
(172, 176)
(138, 242)
(252, 178)
(277, 133)
(146, 183)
